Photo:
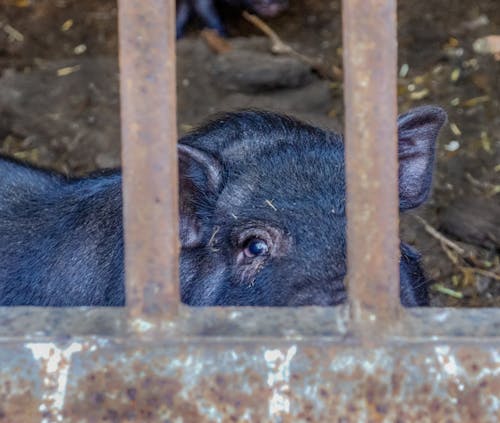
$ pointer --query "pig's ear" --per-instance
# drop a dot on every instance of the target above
(200, 175)
(417, 132)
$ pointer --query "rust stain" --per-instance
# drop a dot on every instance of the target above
(324, 382)
(267, 380)
(17, 402)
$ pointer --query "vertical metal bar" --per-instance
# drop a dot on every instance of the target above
(150, 188)
(370, 62)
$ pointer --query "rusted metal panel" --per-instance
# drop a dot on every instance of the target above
(370, 61)
(149, 156)
(198, 380)
(247, 365)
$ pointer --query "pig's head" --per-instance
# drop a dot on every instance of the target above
(262, 207)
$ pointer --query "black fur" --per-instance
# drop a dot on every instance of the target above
(244, 176)
(61, 240)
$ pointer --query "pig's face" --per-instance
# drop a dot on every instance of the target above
(279, 227)
(263, 208)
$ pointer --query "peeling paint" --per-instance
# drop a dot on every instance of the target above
(278, 379)
(54, 362)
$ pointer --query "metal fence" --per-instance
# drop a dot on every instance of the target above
(158, 360)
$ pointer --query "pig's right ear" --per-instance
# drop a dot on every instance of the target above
(200, 176)
(417, 132)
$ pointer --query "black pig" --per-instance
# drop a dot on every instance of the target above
(207, 11)
(262, 222)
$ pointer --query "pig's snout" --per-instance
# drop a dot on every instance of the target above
(325, 295)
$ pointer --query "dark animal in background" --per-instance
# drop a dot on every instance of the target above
(262, 219)
(206, 10)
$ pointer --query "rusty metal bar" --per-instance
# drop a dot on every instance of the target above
(370, 62)
(149, 138)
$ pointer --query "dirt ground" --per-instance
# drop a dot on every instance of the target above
(59, 105)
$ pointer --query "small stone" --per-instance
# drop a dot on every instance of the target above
(452, 146)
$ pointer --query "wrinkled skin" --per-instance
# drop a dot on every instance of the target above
(262, 219)
(206, 10)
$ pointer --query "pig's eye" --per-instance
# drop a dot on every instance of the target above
(256, 247)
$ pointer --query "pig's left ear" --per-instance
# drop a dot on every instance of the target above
(417, 132)
(200, 175)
